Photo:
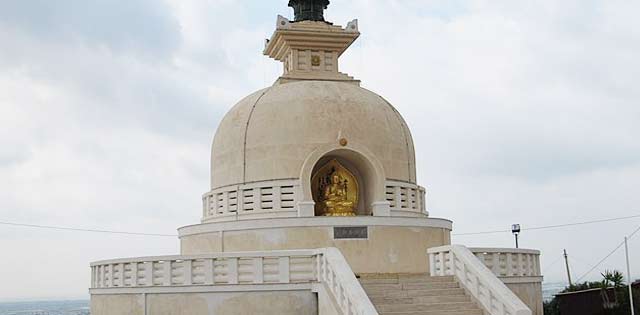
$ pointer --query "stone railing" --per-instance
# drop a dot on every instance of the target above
(280, 198)
(492, 294)
(406, 199)
(510, 262)
(241, 268)
(246, 271)
(338, 277)
(258, 200)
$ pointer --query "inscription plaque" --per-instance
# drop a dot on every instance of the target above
(350, 232)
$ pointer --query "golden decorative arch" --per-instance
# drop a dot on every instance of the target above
(335, 190)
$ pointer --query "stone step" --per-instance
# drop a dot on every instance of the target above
(398, 279)
(425, 278)
(430, 286)
(376, 288)
(463, 312)
(458, 298)
(461, 306)
(416, 293)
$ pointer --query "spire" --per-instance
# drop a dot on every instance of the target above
(309, 10)
(309, 47)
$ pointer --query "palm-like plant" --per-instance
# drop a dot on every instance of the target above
(609, 277)
(614, 277)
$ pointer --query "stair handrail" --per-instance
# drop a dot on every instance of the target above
(493, 295)
(335, 272)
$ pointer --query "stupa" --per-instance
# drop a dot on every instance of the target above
(314, 208)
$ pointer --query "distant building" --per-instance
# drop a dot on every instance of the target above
(594, 301)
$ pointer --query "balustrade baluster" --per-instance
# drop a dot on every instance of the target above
(166, 274)
(258, 271)
(509, 265)
(225, 202)
(134, 274)
(397, 193)
(476, 285)
(110, 275)
(101, 281)
(283, 270)
(187, 265)
(232, 270)
(490, 300)
(432, 264)
(501, 309)
(257, 199)
(240, 199)
(214, 204)
(277, 199)
(452, 264)
(121, 272)
(208, 271)
(496, 263)
(463, 273)
(148, 273)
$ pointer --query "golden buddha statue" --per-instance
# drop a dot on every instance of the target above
(335, 197)
(336, 190)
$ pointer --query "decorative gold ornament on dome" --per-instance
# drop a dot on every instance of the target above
(315, 60)
(335, 190)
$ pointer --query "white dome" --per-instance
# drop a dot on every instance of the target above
(271, 133)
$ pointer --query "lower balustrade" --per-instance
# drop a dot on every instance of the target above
(478, 280)
(249, 270)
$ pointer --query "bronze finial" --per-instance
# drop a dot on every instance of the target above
(309, 10)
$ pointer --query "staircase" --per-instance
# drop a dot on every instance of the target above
(417, 294)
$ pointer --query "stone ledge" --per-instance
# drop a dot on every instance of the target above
(313, 222)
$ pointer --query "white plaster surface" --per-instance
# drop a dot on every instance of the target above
(225, 303)
(283, 124)
(394, 245)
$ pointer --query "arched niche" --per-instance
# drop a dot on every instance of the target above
(360, 162)
(330, 161)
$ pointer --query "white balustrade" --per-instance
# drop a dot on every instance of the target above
(324, 266)
(481, 282)
(510, 262)
(406, 199)
(334, 271)
(218, 269)
(247, 201)
(279, 199)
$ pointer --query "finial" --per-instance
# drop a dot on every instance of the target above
(309, 10)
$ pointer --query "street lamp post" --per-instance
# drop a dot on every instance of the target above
(515, 229)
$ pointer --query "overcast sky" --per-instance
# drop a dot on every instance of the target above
(521, 111)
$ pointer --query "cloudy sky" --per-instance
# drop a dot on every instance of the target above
(522, 112)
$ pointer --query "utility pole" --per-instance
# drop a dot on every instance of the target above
(566, 263)
(626, 251)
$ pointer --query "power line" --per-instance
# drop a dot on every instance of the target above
(550, 226)
(608, 255)
(544, 269)
(174, 235)
(83, 230)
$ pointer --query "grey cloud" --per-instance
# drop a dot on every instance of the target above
(137, 25)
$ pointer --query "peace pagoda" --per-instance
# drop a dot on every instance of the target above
(314, 208)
